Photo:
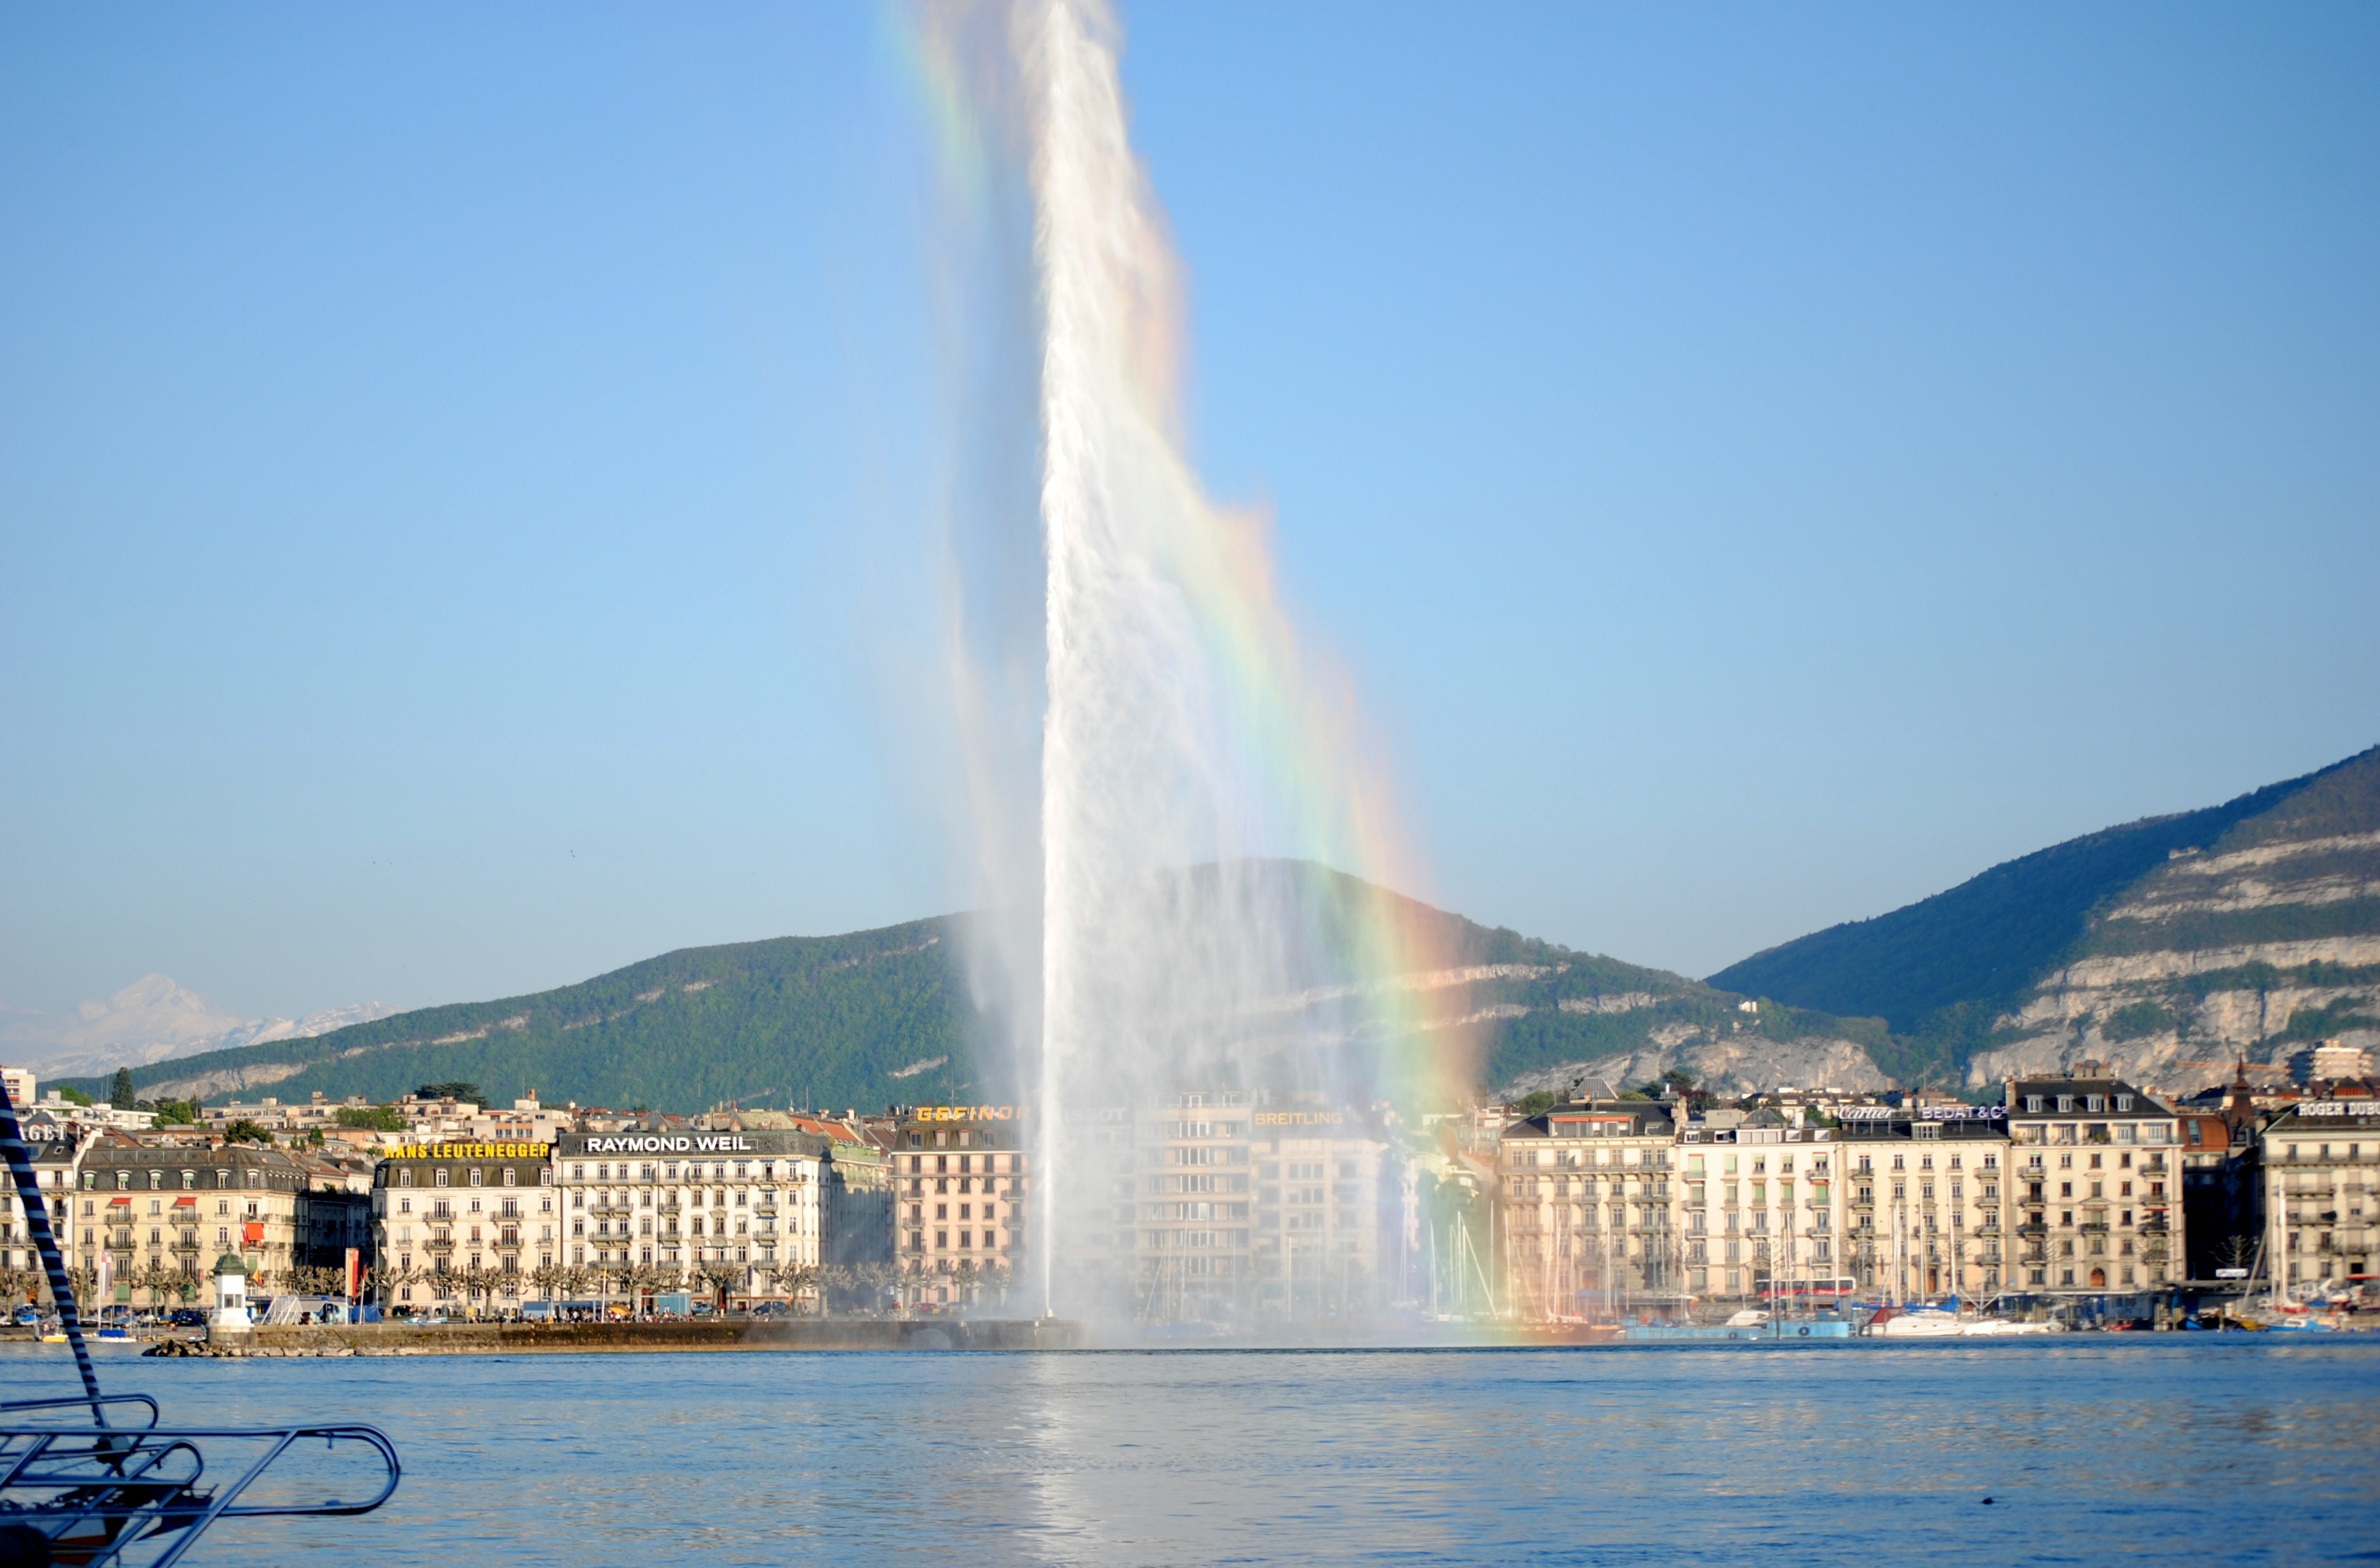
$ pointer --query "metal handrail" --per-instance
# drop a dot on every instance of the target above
(100, 1490)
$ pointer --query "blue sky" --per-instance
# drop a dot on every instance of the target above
(462, 492)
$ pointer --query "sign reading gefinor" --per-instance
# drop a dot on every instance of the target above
(470, 1151)
(967, 1113)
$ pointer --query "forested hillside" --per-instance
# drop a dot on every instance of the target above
(813, 1020)
(883, 1017)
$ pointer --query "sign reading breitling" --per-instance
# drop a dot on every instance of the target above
(470, 1151)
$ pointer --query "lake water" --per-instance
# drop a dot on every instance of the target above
(2173, 1446)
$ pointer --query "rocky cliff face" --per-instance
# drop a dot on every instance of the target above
(1726, 1065)
(2252, 947)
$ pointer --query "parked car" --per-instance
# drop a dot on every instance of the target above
(115, 1314)
(27, 1316)
(187, 1317)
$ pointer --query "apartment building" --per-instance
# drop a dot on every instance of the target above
(463, 1226)
(298, 1116)
(1588, 1209)
(2097, 1187)
(1928, 1189)
(2321, 1193)
(740, 1212)
(1335, 1213)
(56, 1148)
(161, 1212)
(1193, 1219)
(1761, 1207)
(335, 1216)
(961, 1195)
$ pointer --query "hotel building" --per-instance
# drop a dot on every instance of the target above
(738, 1214)
(57, 1149)
(1193, 1208)
(1760, 1205)
(1928, 1189)
(962, 1197)
(1334, 1212)
(1587, 1202)
(2321, 1193)
(463, 1226)
(2096, 1185)
(165, 1211)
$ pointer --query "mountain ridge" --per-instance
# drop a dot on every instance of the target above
(2172, 948)
(869, 1018)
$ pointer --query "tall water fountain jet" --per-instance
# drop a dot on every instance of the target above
(1196, 780)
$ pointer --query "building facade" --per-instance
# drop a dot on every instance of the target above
(2322, 1194)
(56, 1148)
(462, 1227)
(1761, 1207)
(1330, 1230)
(736, 1214)
(1928, 1189)
(1590, 1216)
(961, 1187)
(159, 1216)
(2097, 1187)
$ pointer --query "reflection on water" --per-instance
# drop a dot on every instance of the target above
(2089, 1449)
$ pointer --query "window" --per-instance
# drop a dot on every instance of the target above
(476, 1174)
(441, 1178)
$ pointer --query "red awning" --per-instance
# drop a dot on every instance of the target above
(186, 1202)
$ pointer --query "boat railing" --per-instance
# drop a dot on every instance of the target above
(104, 1494)
(80, 1483)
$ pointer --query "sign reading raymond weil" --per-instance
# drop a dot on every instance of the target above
(671, 1143)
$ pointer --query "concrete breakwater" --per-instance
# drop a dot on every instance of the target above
(798, 1333)
(733, 1334)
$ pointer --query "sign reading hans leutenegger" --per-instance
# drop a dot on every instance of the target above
(470, 1151)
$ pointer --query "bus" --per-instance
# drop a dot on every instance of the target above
(1819, 1292)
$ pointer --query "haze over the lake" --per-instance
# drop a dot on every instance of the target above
(465, 487)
